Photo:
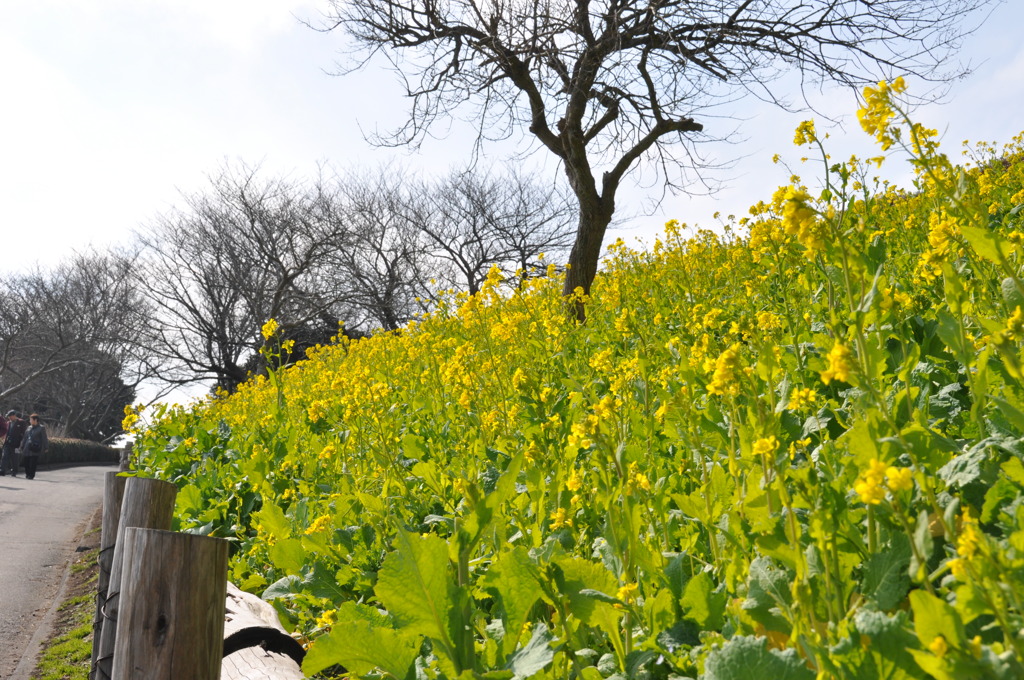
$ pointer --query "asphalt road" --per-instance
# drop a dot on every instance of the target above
(41, 522)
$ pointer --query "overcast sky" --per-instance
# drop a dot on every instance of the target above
(109, 109)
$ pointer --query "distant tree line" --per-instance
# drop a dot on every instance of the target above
(184, 302)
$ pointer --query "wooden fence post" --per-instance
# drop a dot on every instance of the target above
(126, 457)
(149, 504)
(113, 492)
(171, 618)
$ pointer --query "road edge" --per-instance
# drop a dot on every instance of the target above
(30, 656)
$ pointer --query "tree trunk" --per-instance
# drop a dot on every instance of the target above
(595, 216)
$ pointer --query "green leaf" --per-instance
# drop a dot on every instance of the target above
(273, 520)
(998, 495)
(949, 332)
(284, 587)
(702, 604)
(748, 658)
(934, 617)
(288, 555)
(1011, 293)
(925, 545)
(361, 647)
(677, 574)
(887, 646)
(533, 657)
(926, 445)
(573, 575)
(322, 581)
(965, 468)
(600, 597)
(413, 585)
(513, 577)
(886, 580)
(189, 501)
(1010, 411)
(414, 447)
(767, 585)
(987, 244)
(1014, 470)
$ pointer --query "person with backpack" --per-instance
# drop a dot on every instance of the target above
(12, 442)
(34, 445)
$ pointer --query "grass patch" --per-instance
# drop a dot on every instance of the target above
(68, 657)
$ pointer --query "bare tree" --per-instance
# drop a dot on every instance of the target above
(246, 251)
(378, 257)
(604, 85)
(71, 341)
(82, 400)
(474, 220)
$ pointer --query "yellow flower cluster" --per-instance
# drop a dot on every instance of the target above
(801, 398)
(805, 133)
(318, 525)
(269, 329)
(873, 483)
(637, 479)
(968, 544)
(870, 486)
(800, 219)
(840, 364)
(627, 593)
(877, 113)
(560, 518)
(766, 447)
(899, 479)
(725, 378)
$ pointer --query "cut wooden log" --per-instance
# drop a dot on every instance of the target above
(256, 645)
(251, 622)
(256, 664)
(171, 617)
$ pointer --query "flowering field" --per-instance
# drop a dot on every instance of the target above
(792, 450)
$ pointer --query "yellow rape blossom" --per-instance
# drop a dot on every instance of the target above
(269, 329)
(899, 479)
(724, 379)
(969, 540)
(1015, 325)
(627, 593)
(317, 410)
(805, 133)
(318, 525)
(840, 364)
(801, 398)
(326, 619)
(870, 486)
(519, 379)
(939, 646)
(877, 113)
(766, 446)
(560, 518)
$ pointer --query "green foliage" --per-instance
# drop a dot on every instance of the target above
(792, 450)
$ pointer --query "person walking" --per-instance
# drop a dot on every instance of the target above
(35, 445)
(12, 442)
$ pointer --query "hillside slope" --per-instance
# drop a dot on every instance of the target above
(791, 448)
